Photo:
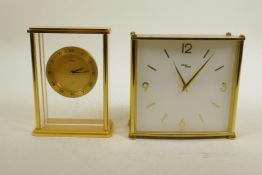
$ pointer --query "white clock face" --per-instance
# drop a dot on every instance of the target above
(184, 85)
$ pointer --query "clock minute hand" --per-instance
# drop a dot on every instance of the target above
(77, 70)
(194, 76)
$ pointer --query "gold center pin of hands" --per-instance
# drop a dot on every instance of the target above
(186, 85)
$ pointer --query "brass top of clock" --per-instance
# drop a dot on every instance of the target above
(71, 71)
(69, 30)
(227, 36)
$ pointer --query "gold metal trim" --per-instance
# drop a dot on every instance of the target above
(230, 133)
(105, 51)
(133, 85)
(42, 76)
(185, 37)
(35, 79)
(182, 135)
(70, 30)
(74, 128)
(235, 86)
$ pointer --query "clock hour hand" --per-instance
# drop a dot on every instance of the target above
(194, 76)
(78, 69)
(179, 75)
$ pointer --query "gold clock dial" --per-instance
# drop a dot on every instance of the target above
(71, 71)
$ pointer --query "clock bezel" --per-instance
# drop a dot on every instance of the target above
(133, 133)
(86, 57)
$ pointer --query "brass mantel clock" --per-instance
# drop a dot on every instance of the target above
(70, 71)
(184, 86)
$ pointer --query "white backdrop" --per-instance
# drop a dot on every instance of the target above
(20, 153)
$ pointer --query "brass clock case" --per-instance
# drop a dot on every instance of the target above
(136, 132)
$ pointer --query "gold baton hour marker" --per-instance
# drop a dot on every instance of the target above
(219, 68)
(163, 118)
(216, 105)
(166, 53)
(145, 85)
(151, 67)
(150, 105)
(200, 117)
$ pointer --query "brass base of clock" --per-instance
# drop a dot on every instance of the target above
(74, 128)
(228, 135)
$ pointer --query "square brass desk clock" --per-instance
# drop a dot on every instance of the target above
(184, 86)
(70, 72)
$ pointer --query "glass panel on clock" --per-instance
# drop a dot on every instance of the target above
(73, 81)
